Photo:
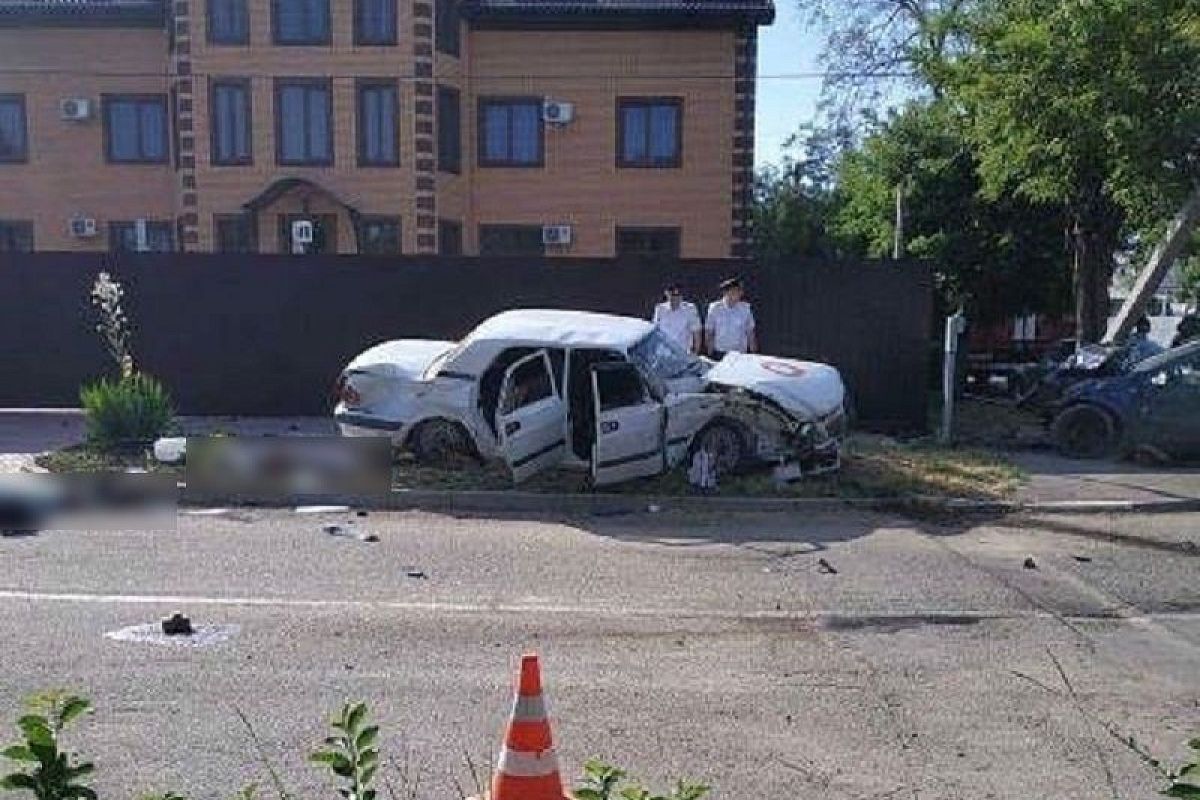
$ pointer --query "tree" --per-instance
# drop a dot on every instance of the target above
(873, 45)
(995, 256)
(1090, 105)
(792, 202)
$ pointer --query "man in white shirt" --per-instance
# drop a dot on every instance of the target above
(679, 319)
(729, 327)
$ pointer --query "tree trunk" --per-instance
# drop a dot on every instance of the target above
(1094, 248)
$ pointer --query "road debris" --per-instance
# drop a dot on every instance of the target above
(825, 567)
(1083, 559)
(1030, 563)
(177, 625)
(416, 573)
(368, 537)
(333, 530)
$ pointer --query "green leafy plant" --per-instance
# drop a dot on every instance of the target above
(603, 781)
(350, 753)
(127, 413)
(1186, 783)
(46, 771)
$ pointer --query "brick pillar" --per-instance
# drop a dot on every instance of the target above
(425, 162)
(182, 105)
(745, 69)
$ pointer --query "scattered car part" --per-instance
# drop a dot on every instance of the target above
(177, 625)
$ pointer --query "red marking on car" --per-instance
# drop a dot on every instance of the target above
(784, 368)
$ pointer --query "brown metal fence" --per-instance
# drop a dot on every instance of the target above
(267, 335)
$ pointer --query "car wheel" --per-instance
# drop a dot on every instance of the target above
(441, 442)
(1085, 432)
(725, 443)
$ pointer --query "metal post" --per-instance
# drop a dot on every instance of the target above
(898, 240)
(955, 325)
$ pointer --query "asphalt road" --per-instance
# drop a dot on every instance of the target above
(932, 664)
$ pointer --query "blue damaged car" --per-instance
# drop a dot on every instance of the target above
(1153, 410)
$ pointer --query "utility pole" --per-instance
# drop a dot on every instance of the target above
(1168, 250)
(898, 243)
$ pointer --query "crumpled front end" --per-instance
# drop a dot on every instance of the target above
(814, 444)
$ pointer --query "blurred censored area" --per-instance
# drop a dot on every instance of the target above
(88, 501)
(284, 468)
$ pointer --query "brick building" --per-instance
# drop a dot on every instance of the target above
(570, 127)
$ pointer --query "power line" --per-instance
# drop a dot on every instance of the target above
(1179, 70)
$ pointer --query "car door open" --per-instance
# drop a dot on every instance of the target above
(531, 417)
(629, 425)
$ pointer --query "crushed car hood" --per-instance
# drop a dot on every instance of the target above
(401, 358)
(804, 388)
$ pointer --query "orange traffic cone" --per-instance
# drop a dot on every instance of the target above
(528, 767)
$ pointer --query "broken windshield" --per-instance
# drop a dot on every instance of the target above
(662, 358)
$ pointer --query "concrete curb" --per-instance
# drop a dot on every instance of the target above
(615, 504)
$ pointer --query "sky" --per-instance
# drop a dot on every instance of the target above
(783, 105)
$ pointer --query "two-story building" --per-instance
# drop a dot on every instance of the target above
(564, 127)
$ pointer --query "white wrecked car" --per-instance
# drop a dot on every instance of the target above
(541, 389)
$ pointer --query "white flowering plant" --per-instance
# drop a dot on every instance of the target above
(113, 325)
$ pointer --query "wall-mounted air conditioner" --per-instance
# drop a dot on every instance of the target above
(82, 227)
(557, 112)
(75, 109)
(556, 235)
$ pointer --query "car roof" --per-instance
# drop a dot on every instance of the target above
(560, 328)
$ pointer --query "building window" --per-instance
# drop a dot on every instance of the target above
(379, 236)
(143, 236)
(16, 236)
(235, 233)
(658, 243)
(449, 124)
(378, 130)
(300, 21)
(449, 237)
(375, 22)
(303, 122)
(231, 121)
(228, 22)
(135, 128)
(649, 132)
(511, 240)
(446, 26)
(14, 141)
(510, 132)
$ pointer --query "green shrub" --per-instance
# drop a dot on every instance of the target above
(125, 414)
(46, 771)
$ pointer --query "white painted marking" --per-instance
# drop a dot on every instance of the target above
(506, 608)
(203, 636)
(321, 509)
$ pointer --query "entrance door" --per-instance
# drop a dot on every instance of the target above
(531, 418)
(325, 238)
(629, 425)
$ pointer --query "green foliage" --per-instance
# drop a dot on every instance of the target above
(1185, 784)
(127, 413)
(1191, 278)
(603, 781)
(351, 753)
(46, 771)
(1090, 106)
(994, 256)
(793, 202)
